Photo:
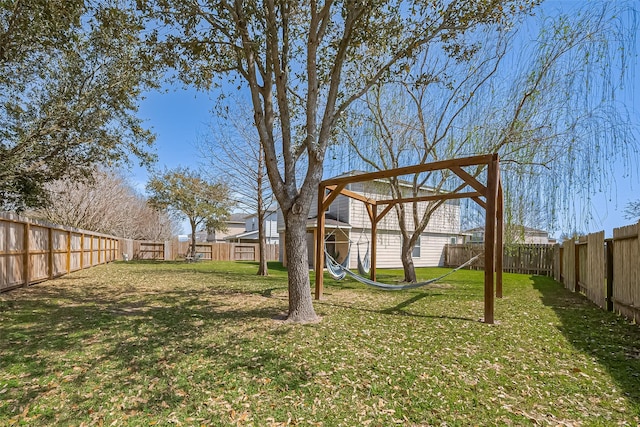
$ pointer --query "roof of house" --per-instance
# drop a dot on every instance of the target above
(237, 217)
(249, 235)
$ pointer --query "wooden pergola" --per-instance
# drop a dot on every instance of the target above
(489, 196)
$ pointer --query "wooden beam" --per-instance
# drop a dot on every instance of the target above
(446, 196)
(349, 193)
(81, 251)
(467, 178)
(481, 202)
(372, 216)
(443, 164)
(329, 198)
(384, 212)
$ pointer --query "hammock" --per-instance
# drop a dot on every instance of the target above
(335, 269)
(333, 264)
(364, 265)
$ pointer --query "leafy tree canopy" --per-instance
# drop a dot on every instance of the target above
(71, 73)
(187, 193)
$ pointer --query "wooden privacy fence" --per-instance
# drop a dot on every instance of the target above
(517, 258)
(34, 251)
(174, 250)
(583, 267)
(606, 271)
(625, 282)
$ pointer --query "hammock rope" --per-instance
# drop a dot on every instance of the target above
(334, 266)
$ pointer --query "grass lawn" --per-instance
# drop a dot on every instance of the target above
(201, 344)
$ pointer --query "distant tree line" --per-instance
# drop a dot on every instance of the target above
(108, 204)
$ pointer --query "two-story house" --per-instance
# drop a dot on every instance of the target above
(250, 232)
(348, 229)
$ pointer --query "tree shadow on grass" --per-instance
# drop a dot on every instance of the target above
(109, 345)
(400, 308)
(603, 335)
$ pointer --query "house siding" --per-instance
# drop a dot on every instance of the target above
(390, 246)
(443, 226)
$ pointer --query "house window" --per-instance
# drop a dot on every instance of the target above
(416, 249)
(453, 240)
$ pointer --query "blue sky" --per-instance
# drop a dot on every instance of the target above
(179, 117)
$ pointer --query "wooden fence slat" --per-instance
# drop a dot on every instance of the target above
(214, 251)
(518, 258)
(33, 251)
(626, 271)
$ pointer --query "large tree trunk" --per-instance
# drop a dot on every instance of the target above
(407, 261)
(300, 300)
(193, 239)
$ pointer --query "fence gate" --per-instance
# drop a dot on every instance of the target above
(244, 253)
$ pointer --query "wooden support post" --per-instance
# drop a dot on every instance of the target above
(499, 237)
(319, 244)
(26, 263)
(490, 240)
(374, 242)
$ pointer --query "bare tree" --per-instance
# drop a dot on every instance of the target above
(632, 210)
(106, 204)
(535, 109)
(234, 153)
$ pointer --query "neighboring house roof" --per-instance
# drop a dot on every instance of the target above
(328, 222)
(237, 217)
(266, 213)
(249, 235)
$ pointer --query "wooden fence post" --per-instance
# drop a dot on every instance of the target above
(576, 268)
(81, 251)
(50, 254)
(26, 267)
(68, 252)
(609, 261)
